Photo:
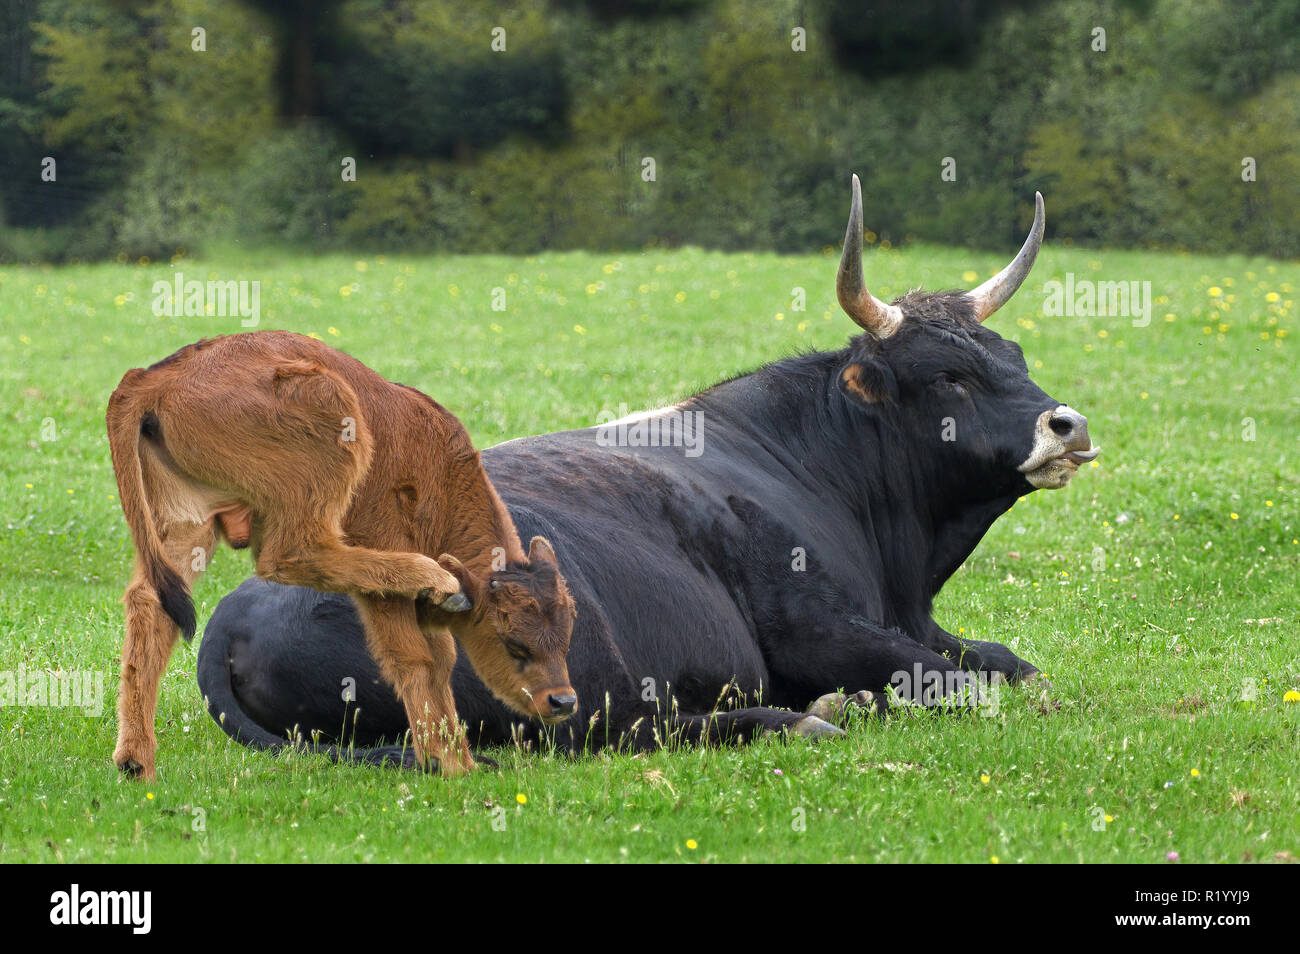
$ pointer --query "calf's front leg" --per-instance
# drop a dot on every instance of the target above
(419, 666)
(298, 552)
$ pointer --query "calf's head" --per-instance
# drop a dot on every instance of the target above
(935, 375)
(516, 631)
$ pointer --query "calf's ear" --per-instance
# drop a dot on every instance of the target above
(867, 381)
(469, 583)
(539, 548)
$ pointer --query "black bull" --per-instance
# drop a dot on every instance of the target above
(785, 540)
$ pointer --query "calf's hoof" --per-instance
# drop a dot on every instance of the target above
(812, 727)
(452, 768)
(456, 603)
(133, 769)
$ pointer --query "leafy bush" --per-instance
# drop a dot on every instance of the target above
(548, 143)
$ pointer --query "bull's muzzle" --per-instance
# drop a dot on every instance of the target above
(1061, 444)
(1071, 428)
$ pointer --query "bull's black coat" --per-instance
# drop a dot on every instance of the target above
(885, 463)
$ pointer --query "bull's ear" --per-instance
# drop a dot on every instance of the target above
(867, 382)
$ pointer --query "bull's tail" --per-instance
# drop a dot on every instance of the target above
(126, 426)
(217, 688)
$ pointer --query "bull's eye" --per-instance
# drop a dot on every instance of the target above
(949, 383)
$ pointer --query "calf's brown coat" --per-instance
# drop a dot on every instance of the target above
(339, 480)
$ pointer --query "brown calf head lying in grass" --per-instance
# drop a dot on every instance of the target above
(339, 480)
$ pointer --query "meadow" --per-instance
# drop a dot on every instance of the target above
(1158, 591)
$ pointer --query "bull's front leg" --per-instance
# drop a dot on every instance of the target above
(977, 655)
(821, 651)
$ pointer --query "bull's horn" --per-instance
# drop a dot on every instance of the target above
(995, 292)
(871, 314)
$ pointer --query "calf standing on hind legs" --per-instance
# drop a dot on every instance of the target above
(339, 480)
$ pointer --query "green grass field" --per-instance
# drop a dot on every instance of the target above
(1158, 591)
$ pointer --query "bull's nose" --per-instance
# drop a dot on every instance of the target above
(1071, 427)
(562, 703)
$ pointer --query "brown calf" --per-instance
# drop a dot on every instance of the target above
(339, 480)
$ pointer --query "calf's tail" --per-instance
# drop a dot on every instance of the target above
(126, 426)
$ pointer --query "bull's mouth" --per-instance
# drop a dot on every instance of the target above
(1058, 469)
(1080, 457)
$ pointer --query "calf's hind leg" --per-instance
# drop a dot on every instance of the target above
(150, 637)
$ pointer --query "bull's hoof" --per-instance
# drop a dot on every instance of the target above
(1036, 680)
(829, 707)
(812, 727)
(866, 700)
(834, 706)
